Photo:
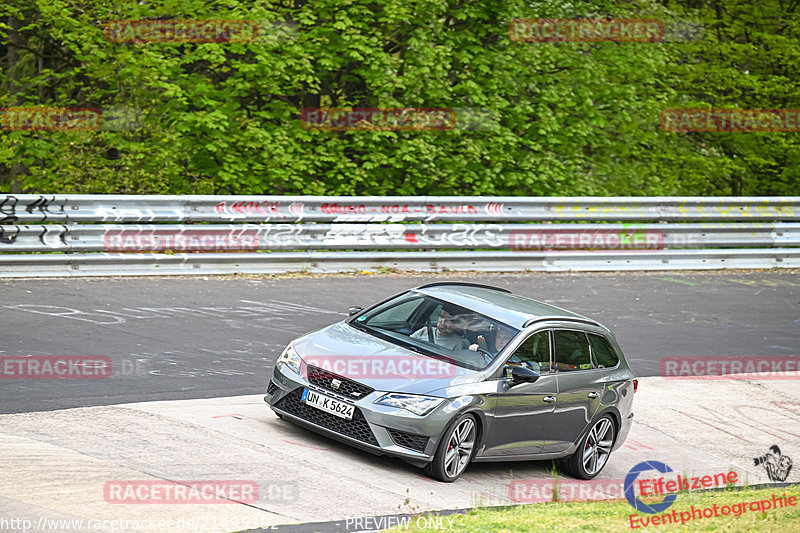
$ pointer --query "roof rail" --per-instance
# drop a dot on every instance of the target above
(534, 320)
(464, 283)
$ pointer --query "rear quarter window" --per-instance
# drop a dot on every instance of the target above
(604, 354)
(572, 351)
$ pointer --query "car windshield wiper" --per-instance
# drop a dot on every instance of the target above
(415, 349)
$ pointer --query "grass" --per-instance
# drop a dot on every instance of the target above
(613, 515)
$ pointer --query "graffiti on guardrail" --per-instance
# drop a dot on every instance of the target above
(398, 209)
(340, 209)
(699, 232)
(244, 236)
(8, 236)
(10, 208)
(242, 208)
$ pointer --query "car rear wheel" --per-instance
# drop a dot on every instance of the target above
(455, 450)
(593, 452)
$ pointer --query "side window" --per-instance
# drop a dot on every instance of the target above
(604, 354)
(399, 313)
(534, 352)
(572, 351)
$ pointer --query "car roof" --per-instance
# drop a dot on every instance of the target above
(497, 303)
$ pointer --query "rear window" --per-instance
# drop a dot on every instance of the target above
(604, 354)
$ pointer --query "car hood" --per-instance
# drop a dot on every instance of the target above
(378, 363)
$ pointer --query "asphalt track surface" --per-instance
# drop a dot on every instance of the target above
(187, 338)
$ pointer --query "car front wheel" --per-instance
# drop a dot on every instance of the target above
(455, 450)
(593, 452)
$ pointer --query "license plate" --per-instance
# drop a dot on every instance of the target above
(327, 404)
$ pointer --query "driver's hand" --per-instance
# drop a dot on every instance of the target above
(473, 347)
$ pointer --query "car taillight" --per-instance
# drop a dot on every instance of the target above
(635, 385)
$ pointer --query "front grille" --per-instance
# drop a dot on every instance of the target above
(272, 387)
(346, 387)
(357, 428)
(408, 440)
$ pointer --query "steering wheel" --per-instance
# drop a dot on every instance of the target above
(486, 355)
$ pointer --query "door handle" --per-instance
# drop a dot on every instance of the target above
(593, 394)
(549, 399)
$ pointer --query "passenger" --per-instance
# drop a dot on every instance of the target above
(502, 337)
(447, 333)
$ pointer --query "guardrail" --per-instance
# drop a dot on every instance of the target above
(138, 235)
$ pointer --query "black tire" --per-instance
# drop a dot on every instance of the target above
(442, 467)
(593, 451)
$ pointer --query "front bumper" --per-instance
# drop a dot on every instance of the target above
(379, 429)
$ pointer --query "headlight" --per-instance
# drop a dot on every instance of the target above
(291, 359)
(419, 405)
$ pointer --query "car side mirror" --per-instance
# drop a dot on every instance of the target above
(523, 374)
(354, 310)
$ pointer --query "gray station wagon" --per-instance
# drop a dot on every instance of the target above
(454, 372)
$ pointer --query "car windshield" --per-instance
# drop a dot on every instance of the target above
(438, 329)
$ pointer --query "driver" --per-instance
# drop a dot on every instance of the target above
(447, 333)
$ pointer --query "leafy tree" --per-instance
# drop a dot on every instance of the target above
(535, 118)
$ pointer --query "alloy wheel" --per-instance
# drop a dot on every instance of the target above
(598, 446)
(459, 448)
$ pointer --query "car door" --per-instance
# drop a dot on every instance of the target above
(523, 410)
(580, 388)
